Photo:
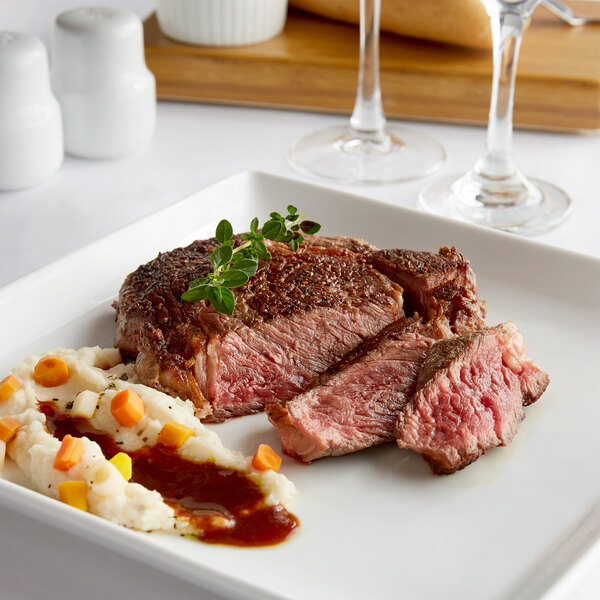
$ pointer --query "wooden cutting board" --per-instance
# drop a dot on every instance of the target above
(313, 65)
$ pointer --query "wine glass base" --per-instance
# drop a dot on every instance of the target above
(544, 207)
(344, 155)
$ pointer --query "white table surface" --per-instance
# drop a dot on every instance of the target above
(196, 145)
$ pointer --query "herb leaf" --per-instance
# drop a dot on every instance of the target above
(222, 299)
(310, 226)
(258, 246)
(247, 265)
(220, 256)
(224, 231)
(234, 265)
(273, 229)
(234, 278)
(195, 294)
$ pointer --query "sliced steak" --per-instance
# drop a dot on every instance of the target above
(356, 404)
(298, 316)
(470, 396)
(435, 285)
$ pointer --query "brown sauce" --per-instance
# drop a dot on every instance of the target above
(208, 495)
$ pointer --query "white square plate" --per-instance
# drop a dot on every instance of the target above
(375, 524)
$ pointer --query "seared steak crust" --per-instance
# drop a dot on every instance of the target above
(340, 241)
(435, 285)
(299, 315)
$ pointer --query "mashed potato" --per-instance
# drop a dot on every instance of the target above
(109, 495)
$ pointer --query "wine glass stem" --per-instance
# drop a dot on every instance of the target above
(507, 32)
(367, 117)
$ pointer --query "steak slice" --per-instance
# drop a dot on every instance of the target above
(435, 285)
(469, 398)
(298, 316)
(356, 404)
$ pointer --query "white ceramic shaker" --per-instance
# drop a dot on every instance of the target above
(31, 138)
(99, 75)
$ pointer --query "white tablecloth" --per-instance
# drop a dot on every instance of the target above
(194, 146)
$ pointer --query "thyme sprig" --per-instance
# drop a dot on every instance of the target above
(234, 265)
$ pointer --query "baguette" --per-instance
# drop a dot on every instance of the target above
(462, 22)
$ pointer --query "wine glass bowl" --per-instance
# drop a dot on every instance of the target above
(355, 157)
(495, 192)
(367, 150)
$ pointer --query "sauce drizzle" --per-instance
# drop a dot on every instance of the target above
(224, 505)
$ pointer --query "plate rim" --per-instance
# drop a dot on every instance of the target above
(251, 177)
(252, 174)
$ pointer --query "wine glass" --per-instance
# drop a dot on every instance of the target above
(367, 150)
(495, 193)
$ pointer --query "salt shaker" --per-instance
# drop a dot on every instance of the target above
(31, 138)
(99, 75)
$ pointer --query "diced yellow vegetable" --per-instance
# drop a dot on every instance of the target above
(2, 454)
(85, 404)
(8, 428)
(123, 462)
(7, 386)
(73, 493)
(174, 434)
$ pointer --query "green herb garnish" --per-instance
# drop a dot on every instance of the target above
(234, 265)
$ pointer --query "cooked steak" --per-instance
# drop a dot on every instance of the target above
(470, 396)
(298, 316)
(339, 241)
(356, 404)
(435, 285)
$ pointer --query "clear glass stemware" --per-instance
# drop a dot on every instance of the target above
(495, 192)
(368, 149)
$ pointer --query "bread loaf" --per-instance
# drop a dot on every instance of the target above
(462, 22)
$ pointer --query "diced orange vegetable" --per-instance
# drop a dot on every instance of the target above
(266, 458)
(7, 386)
(123, 462)
(174, 434)
(51, 371)
(127, 408)
(69, 453)
(8, 428)
(73, 493)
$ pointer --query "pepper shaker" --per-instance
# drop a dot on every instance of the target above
(99, 76)
(31, 138)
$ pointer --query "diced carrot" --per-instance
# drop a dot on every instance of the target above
(174, 434)
(266, 458)
(127, 408)
(69, 453)
(7, 386)
(51, 371)
(73, 493)
(123, 462)
(8, 428)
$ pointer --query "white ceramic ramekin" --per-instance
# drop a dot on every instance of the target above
(221, 22)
